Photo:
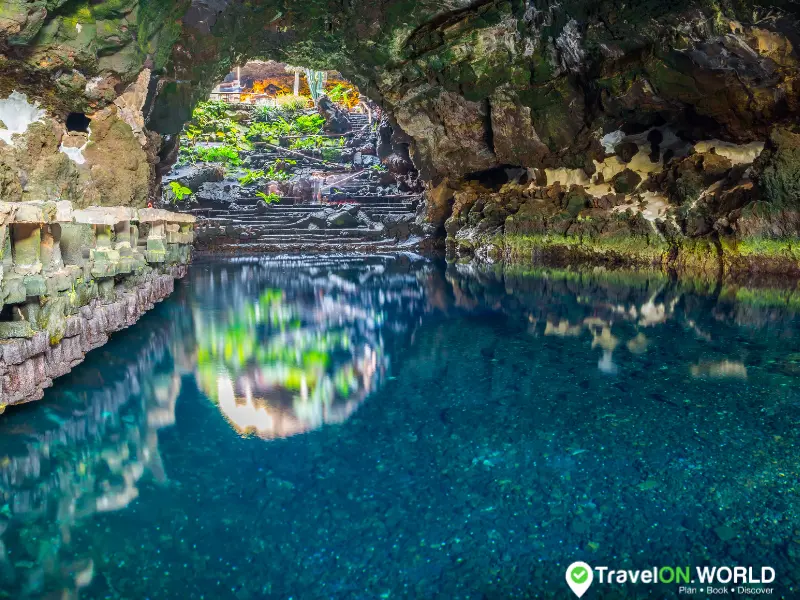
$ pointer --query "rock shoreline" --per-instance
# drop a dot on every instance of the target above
(69, 278)
(29, 366)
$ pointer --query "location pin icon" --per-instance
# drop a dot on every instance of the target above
(579, 577)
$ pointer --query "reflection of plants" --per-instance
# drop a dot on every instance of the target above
(266, 341)
(346, 381)
(179, 191)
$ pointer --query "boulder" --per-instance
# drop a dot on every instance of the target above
(777, 169)
(194, 176)
(626, 151)
(626, 181)
(316, 220)
(336, 120)
(341, 219)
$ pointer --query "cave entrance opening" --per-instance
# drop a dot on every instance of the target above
(272, 83)
(78, 122)
(289, 155)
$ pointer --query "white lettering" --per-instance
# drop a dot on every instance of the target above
(706, 574)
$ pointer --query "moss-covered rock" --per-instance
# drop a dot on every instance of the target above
(626, 181)
(777, 170)
(477, 87)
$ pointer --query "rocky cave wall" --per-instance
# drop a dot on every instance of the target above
(589, 123)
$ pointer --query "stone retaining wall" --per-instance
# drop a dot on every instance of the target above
(69, 278)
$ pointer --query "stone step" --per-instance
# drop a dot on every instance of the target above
(310, 246)
(273, 213)
(275, 218)
(308, 239)
(321, 233)
(250, 215)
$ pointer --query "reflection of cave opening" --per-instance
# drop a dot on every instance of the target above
(77, 121)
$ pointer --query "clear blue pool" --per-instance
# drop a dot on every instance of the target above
(389, 427)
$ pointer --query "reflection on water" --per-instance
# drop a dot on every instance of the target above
(288, 345)
(492, 427)
(82, 451)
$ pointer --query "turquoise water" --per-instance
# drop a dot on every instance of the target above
(388, 427)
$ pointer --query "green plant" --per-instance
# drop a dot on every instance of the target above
(216, 154)
(276, 172)
(251, 176)
(308, 124)
(339, 93)
(179, 191)
(270, 198)
(315, 142)
(269, 132)
(308, 143)
(213, 122)
(265, 114)
(331, 154)
(291, 106)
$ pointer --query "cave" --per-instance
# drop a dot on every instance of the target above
(77, 122)
(399, 299)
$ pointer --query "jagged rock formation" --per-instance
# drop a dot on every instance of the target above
(558, 89)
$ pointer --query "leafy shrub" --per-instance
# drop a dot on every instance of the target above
(225, 155)
(276, 172)
(308, 124)
(316, 142)
(269, 132)
(251, 176)
(270, 198)
(265, 114)
(309, 143)
(213, 122)
(331, 154)
(346, 96)
(179, 191)
(292, 105)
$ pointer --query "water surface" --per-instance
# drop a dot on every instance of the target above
(388, 427)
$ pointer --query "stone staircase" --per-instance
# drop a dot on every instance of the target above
(274, 228)
(358, 121)
(250, 225)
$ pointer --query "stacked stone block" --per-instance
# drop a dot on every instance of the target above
(68, 278)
